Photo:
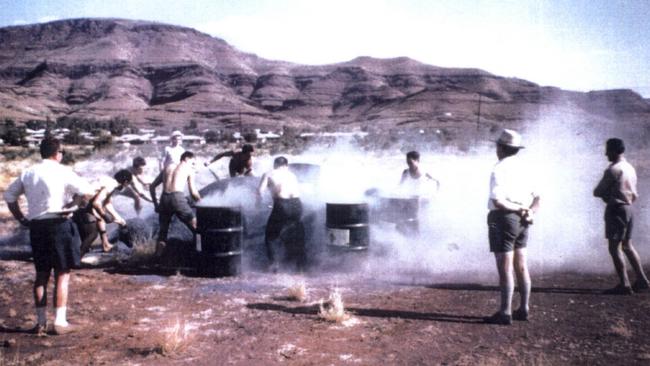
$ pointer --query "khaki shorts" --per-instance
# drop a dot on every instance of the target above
(506, 231)
(619, 222)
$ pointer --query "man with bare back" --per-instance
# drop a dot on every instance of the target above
(285, 233)
(173, 200)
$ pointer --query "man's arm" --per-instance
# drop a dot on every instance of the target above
(190, 184)
(604, 186)
(137, 189)
(437, 182)
(116, 216)
(107, 203)
(14, 208)
(221, 155)
(261, 187)
(11, 195)
(152, 190)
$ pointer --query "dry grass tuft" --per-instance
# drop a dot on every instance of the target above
(298, 292)
(332, 310)
(143, 251)
(174, 339)
(620, 329)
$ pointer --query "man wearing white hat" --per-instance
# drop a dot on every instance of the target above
(512, 202)
(173, 152)
(171, 155)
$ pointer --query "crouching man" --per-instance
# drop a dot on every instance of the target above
(53, 236)
(285, 233)
(93, 216)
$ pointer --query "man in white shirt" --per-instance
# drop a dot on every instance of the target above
(173, 152)
(171, 155)
(53, 236)
(285, 233)
(512, 202)
(414, 180)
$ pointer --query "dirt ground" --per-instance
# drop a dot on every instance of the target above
(143, 316)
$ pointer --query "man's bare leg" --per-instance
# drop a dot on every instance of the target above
(40, 297)
(635, 262)
(101, 227)
(619, 263)
(504, 263)
(62, 280)
(523, 279)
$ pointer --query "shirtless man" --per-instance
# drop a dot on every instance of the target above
(285, 232)
(138, 187)
(92, 217)
(241, 163)
(413, 177)
(173, 201)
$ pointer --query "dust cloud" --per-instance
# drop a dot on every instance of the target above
(565, 156)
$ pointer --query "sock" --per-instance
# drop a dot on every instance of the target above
(61, 316)
(41, 315)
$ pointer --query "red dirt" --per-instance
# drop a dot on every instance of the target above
(248, 320)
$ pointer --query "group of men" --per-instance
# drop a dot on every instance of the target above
(66, 213)
(514, 200)
(57, 246)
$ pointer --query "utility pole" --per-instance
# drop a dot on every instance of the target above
(478, 116)
(241, 129)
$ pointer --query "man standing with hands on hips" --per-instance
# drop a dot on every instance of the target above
(512, 203)
(53, 236)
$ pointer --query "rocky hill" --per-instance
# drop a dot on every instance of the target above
(165, 76)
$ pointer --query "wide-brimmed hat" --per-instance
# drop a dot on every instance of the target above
(177, 133)
(510, 138)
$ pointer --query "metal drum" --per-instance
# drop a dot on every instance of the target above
(219, 242)
(347, 226)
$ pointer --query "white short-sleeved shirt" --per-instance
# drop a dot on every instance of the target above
(618, 185)
(48, 186)
(424, 186)
(172, 155)
(511, 181)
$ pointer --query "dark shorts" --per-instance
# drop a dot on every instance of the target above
(55, 244)
(285, 233)
(87, 228)
(619, 222)
(176, 203)
(506, 231)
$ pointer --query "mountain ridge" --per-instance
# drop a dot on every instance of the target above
(161, 75)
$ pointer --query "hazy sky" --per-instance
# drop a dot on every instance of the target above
(574, 44)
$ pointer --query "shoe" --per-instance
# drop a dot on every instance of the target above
(498, 318)
(520, 314)
(641, 286)
(619, 290)
(64, 329)
(40, 330)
